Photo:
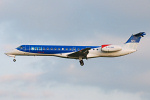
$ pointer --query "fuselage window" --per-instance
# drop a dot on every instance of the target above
(58, 48)
(78, 49)
(43, 48)
(62, 48)
(36, 48)
(97, 49)
(93, 49)
(40, 48)
(47, 48)
(70, 49)
(74, 49)
(51, 48)
(55, 49)
(32, 48)
(66, 48)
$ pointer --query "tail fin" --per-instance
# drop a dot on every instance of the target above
(134, 40)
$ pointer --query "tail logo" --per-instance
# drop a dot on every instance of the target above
(133, 41)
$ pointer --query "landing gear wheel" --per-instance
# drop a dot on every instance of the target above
(14, 60)
(81, 62)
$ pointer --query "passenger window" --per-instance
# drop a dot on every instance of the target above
(93, 49)
(43, 48)
(58, 48)
(62, 48)
(55, 49)
(70, 49)
(78, 49)
(36, 48)
(40, 48)
(66, 48)
(51, 48)
(32, 48)
(47, 48)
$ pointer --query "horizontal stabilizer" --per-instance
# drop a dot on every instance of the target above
(140, 34)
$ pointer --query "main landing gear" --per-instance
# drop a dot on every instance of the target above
(81, 61)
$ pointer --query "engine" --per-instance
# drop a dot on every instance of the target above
(110, 48)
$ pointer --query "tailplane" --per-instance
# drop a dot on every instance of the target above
(134, 40)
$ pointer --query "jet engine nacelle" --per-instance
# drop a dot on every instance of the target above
(110, 48)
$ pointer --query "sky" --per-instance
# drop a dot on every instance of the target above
(74, 22)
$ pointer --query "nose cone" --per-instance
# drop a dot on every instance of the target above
(11, 53)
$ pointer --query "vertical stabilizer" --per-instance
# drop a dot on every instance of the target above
(133, 41)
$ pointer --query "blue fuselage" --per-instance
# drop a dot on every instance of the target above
(52, 49)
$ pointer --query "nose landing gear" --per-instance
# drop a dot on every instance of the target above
(14, 60)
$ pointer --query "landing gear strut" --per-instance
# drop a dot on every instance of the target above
(81, 62)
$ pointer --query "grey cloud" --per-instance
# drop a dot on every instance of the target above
(67, 20)
(119, 75)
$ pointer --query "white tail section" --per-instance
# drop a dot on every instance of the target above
(134, 40)
(132, 46)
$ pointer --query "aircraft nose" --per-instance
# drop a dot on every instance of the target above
(11, 53)
(6, 53)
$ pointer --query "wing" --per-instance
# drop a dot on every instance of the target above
(82, 53)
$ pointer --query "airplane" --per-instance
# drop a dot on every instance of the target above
(79, 52)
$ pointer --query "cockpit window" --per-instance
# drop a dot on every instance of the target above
(21, 47)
